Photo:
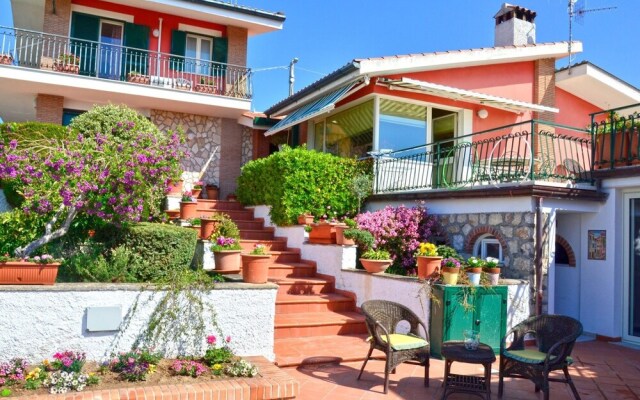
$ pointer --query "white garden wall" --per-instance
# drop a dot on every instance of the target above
(39, 321)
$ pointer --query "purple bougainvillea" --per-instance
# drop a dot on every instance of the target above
(399, 230)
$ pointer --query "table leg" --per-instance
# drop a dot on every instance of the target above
(445, 381)
(487, 379)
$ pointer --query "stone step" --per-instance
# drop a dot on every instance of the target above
(241, 215)
(285, 256)
(275, 244)
(318, 324)
(304, 285)
(291, 269)
(257, 234)
(316, 303)
(221, 205)
(292, 352)
(257, 223)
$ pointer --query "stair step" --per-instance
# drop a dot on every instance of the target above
(257, 234)
(221, 205)
(285, 256)
(276, 245)
(315, 303)
(318, 324)
(304, 285)
(257, 223)
(233, 214)
(291, 269)
(292, 352)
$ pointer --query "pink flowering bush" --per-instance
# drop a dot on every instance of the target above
(217, 355)
(68, 361)
(13, 372)
(399, 230)
(188, 368)
(118, 176)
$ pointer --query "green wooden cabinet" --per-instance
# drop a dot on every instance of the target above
(458, 308)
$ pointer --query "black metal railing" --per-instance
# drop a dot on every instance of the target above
(615, 137)
(527, 151)
(32, 49)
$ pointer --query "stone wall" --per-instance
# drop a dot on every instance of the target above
(247, 145)
(515, 231)
(202, 134)
(4, 204)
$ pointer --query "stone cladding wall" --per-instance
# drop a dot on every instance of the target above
(247, 145)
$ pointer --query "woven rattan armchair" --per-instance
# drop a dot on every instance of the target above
(382, 318)
(555, 336)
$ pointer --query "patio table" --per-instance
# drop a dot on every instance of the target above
(454, 383)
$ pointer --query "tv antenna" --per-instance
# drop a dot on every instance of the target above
(577, 10)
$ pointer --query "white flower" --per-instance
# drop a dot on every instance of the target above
(74, 382)
(53, 390)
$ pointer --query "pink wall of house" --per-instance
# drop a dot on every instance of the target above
(573, 110)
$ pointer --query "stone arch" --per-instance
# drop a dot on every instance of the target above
(567, 247)
(476, 232)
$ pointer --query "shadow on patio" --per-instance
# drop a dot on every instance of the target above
(602, 371)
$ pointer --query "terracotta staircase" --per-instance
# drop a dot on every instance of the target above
(314, 323)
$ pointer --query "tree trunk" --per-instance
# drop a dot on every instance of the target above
(49, 235)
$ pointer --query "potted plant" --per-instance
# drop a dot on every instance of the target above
(341, 229)
(188, 205)
(232, 197)
(67, 62)
(212, 191)
(305, 218)
(375, 261)
(194, 223)
(175, 186)
(428, 260)
(38, 270)
(255, 265)
(474, 270)
(450, 269)
(137, 77)
(206, 85)
(173, 214)
(226, 254)
(492, 270)
(182, 84)
(224, 226)
(6, 59)
(196, 189)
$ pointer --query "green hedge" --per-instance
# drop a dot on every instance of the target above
(294, 181)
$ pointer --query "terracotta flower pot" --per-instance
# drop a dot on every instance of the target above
(212, 192)
(450, 275)
(322, 234)
(375, 266)
(28, 273)
(6, 59)
(207, 226)
(340, 239)
(176, 187)
(227, 260)
(196, 192)
(428, 266)
(188, 209)
(173, 214)
(197, 229)
(305, 219)
(255, 268)
(474, 275)
(493, 274)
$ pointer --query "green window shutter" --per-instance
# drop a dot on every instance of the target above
(136, 37)
(178, 45)
(220, 55)
(84, 33)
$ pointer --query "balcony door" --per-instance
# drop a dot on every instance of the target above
(110, 52)
(631, 273)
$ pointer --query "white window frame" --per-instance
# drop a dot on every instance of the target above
(198, 57)
(480, 247)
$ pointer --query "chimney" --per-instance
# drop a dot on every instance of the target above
(515, 26)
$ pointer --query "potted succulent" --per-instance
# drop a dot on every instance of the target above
(194, 223)
(492, 270)
(188, 205)
(428, 260)
(206, 85)
(137, 77)
(226, 254)
(212, 191)
(375, 261)
(450, 269)
(6, 59)
(341, 229)
(67, 62)
(255, 265)
(474, 270)
(305, 218)
(38, 270)
(196, 189)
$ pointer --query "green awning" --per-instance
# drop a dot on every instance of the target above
(308, 111)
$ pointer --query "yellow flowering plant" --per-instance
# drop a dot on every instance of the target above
(427, 250)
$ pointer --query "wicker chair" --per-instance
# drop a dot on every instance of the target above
(382, 317)
(555, 336)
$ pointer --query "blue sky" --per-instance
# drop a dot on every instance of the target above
(326, 34)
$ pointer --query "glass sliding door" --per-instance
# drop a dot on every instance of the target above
(632, 268)
(110, 54)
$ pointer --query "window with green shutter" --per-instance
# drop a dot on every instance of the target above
(136, 54)
(85, 33)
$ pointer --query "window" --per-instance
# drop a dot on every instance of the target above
(198, 51)
(68, 115)
(488, 246)
(402, 125)
(348, 133)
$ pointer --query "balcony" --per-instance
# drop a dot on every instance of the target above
(616, 139)
(200, 85)
(531, 152)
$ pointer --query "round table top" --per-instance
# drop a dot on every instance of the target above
(455, 351)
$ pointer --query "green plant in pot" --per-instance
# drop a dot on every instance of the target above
(226, 254)
(341, 239)
(492, 269)
(375, 260)
(474, 270)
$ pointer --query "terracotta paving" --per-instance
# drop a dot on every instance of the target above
(601, 371)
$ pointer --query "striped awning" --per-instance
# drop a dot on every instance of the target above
(311, 110)
(453, 93)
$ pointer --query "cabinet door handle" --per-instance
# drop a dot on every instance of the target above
(448, 302)
(477, 322)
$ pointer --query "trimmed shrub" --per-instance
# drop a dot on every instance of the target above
(18, 228)
(295, 181)
(113, 120)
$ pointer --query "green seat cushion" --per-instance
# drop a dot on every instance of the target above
(531, 356)
(404, 342)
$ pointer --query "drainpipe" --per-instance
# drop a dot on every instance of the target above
(538, 255)
(159, 48)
